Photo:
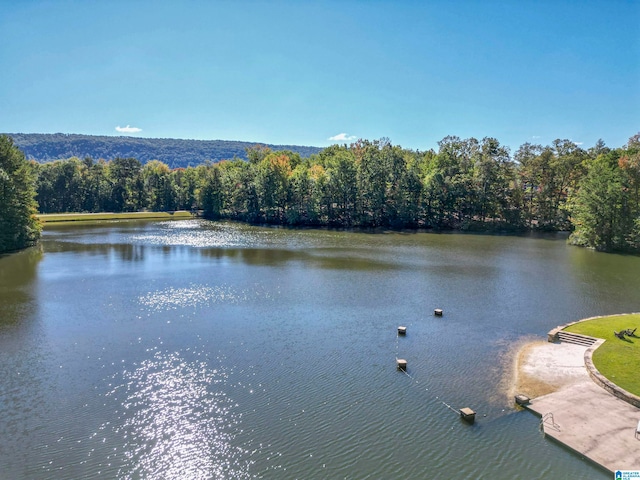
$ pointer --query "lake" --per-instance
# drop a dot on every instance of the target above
(196, 349)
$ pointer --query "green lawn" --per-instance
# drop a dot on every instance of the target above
(92, 217)
(616, 359)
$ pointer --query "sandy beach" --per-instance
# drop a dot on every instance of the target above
(542, 367)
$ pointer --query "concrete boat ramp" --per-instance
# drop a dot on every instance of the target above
(583, 415)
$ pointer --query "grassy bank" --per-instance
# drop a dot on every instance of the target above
(93, 217)
(616, 359)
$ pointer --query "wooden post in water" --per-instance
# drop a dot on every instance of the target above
(468, 415)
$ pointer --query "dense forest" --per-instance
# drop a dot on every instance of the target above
(176, 153)
(467, 184)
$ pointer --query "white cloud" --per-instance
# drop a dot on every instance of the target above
(128, 129)
(342, 137)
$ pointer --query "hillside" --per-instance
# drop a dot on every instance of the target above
(45, 147)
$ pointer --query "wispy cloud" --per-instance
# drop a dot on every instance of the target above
(342, 137)
(535, 137)
(128, 129)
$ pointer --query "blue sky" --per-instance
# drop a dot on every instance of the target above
(323, 72)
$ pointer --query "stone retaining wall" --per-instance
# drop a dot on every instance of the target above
(595, 375)
(604, 382)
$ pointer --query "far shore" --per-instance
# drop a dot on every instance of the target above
(89, 217)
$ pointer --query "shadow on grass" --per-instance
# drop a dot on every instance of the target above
(624, 339)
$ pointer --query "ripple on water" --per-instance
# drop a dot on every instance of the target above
(172, 298)
(176, 422)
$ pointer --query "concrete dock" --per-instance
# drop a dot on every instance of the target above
(584, 416)
(592, 422)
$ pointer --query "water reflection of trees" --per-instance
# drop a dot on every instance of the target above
(341, 258)
(605, 279)
(320, 258)
(17, 274)
(124, 251)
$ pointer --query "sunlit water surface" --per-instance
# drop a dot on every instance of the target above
(199, 350)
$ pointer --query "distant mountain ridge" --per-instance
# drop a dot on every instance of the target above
(175, 152)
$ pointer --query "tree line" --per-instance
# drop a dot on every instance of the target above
(468, 184)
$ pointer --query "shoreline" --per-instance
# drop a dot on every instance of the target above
(541, 367)
(46, 218)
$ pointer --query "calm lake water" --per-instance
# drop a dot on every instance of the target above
(196, 350)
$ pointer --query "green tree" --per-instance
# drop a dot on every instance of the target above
(159, 188)
(494, 183)
(45, 180)
(448, 183)
(239, 184)
(19, 226)
(272, 185)
(211, 195)
(341, 170)
(527, 158)
(98, 190)
(186, 185)
(599, 208)
(302, 209)
(629, 162)
(549, 175)
(411, 188)
(127, 194)
(371, 182)
(69, 187)
(62, 186)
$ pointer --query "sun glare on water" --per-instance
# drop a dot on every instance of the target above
(176, 423)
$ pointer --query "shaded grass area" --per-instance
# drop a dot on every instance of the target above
(92, 217)
(616, 359)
